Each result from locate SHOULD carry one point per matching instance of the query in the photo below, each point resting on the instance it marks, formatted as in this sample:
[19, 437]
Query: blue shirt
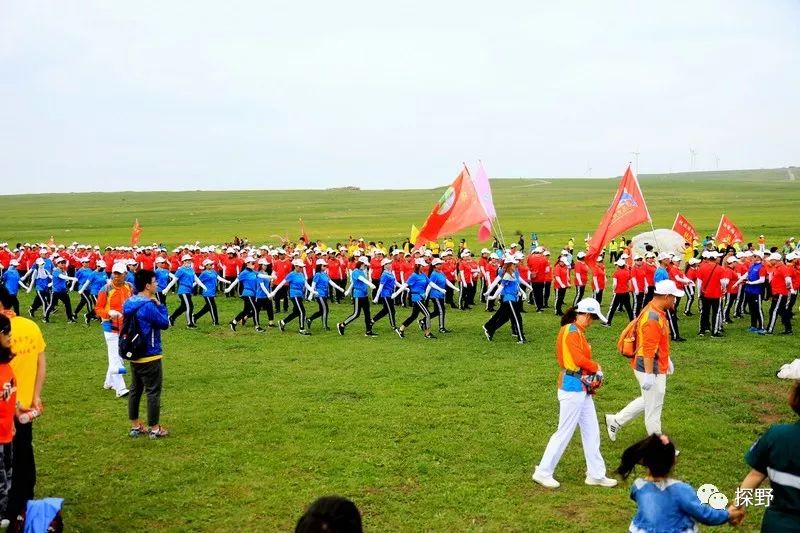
[261, 281]
[59, 285]
[84, 274]
[209, 279]
[296, 282]
[99, 280]
[660, 274]
[152, 318]
[387, 280]
[510, 284]
[248, 281]
[417, 284]
[185, 275]
[162, 278]
[671, 505]
[753, 274]
[360, 289]
[11, 280]
[322, 284]
[439, 279]
[130, 278]
[41, 278]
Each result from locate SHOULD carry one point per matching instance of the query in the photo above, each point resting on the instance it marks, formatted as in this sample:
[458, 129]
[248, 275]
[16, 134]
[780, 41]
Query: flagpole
[497, 231]
[649, 218]
[716, 235]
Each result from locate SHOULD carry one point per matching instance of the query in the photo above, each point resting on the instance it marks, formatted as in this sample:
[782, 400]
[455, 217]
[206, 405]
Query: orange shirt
[574, 352]
[652, 334]
[111, 297]
[8, 403]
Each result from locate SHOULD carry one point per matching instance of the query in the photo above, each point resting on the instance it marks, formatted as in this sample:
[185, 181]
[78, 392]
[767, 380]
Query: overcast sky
[258, 95]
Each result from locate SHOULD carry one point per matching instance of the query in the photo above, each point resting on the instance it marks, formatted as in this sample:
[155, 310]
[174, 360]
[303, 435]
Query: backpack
[132, 343]
[626, 344]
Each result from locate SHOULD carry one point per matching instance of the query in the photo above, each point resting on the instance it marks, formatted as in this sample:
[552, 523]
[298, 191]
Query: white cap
[746, 253]
[623, 256]
[509, 260]
[518, 256]
[363, 260]
[386, 261]
[564, 259]
[775, 256]
[321, 262]
[100, 263]
[694, 261]
[739, 255]
[731, 259]
[207, 262]
[649, 254]
[592, 307]
[791, 256]
[262, 261]
[485, 251]
[40, 261]
[620, 262]
[298, 262]
[13, 262]
[160, 260]
[249, 259]
[664, 255]
[448, 253]
[513, 245]
[436, 261]
[420, 261]
[538, 250]
[667, 286]
[357, 253]
[396, 251]
[758, 253]
[119, 267]
[580, 255]
[428, 253]
[465, 253]
[186, 257]
[546, 252]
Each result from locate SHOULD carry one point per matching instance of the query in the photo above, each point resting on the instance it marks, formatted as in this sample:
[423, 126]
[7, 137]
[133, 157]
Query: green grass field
[423, 435]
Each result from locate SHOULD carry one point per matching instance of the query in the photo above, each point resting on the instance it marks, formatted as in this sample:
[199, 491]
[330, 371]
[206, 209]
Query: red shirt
[623, 277]
[561, 276]
[377, 269]
[778, 281]
[281, 269]
[599, 276]
[146, 260]
[449, 271]
[8, 403]
[581, 269]
[639, 274]
[548, 270]
[730, 273]
[710, 275]
[650, 273]
[538, 266]
[466, 269]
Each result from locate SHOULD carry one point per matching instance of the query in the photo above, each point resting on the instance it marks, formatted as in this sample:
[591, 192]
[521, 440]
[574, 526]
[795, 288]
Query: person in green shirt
[775, 456]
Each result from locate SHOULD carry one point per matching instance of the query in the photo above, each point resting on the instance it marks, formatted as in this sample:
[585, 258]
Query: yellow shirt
[434, 246]
[448, 243]
[26, 343]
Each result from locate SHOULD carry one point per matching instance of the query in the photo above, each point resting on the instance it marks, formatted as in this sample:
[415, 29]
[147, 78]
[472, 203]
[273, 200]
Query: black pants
[464, 291]
[448, 297]
[298, 311]
[321, 312]
[689, 299]
[249, 309]
[262, 304]
[15, 304]
[620, 301]
[23, 469]
[209, 307]
[638, 303]
[282, 296]
[42, 300]
[418, 308]
[439, 310]
[778, 309]
[386, 310]
[730, 303]
[538, 294]
[740, 302]
[672, 319]
[547, 287]
[560, 295]
[598, 295]
[790, 305]
[756, 313]
[186, 306]
[709, 315]
[62, 297]
[612, 257]
[507, 311]
[360, 304]
[579, 291]
[231, 279]
[337, 295]
[86, 300]
[147, 378]
[651, 290]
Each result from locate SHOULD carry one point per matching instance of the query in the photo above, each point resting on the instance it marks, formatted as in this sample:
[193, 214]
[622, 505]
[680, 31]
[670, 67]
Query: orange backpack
[626, 344]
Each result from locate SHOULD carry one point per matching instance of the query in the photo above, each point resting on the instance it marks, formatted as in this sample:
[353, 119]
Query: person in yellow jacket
[613, 251]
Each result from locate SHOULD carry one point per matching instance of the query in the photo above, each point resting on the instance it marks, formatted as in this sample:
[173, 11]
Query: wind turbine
[635, 160]
[692, 158]
[716, 161]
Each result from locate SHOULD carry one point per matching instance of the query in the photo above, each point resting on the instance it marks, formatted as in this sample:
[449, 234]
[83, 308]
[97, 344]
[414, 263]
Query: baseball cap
[363, 260]
[731, 259]
[538, 250]
[13, 262]
[420, 261]
[664, 255]
[119, 267]
[668, 287]
[509, 260]
[207, 262]
[775, 256]
[592, 307]
[297, 262]
[249, 259]
[186, 257]
[581, 255]
[620, 262]
[389, 262]
[321, 262]
[101, 263]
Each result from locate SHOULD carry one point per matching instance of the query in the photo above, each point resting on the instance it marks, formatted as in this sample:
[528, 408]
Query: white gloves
[649, 381]
[671, 368]
[114, 313]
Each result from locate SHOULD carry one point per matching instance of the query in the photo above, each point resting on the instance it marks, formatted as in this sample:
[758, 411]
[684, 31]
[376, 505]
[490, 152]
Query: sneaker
[86, 318]
[123, 393]
[72, 321]
[421, 324]
[232, 325]
[602, 482]
[444, 330]
[679, 339]
[304, 332]
[548, 482]
[612, 427]
[752, 329]
[171, 322]
[762, 332]
[430, 336]
[308, 323]
[521, 342]
[786, 332]
[158, 432]
[137, 430]
[487, 334]
[340, 328]
[260, 329]
[282, 325]
[399, 333]
[191, 326]
[370, 334]
[701, 334]
[717, 335]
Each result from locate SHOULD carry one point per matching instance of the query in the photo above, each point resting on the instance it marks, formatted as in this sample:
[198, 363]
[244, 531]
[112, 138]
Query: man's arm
[41, 374]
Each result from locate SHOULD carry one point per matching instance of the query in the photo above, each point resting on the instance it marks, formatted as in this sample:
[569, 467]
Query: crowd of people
[648, 285]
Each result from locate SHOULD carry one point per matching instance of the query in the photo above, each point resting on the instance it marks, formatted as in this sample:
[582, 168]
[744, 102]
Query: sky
[209, 95]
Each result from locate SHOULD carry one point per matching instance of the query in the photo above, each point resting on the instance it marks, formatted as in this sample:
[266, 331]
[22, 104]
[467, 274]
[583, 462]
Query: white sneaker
[545, 481]
[612, 427]
[602, 482]
[123, 393]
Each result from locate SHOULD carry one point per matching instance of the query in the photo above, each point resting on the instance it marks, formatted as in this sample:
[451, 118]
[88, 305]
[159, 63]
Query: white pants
[113, 378]
[577, 409]
[651, 402]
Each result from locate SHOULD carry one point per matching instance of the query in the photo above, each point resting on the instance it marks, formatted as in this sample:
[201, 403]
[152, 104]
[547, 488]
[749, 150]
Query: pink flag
[484, 190]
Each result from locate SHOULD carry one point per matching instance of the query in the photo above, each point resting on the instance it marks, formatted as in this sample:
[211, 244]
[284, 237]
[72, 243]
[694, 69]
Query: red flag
[626, 211]
[728, 232]
[135, 232]
[458, 208]
[303, 232]
[685, 229]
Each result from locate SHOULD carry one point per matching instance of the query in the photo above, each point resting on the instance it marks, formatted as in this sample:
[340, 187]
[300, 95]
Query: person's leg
[245, 309]
[568, 417]
[786, 316]
[612, 308]
[590, 438]
[412, 317]
[301, 309]
[212, 302]
[382, 312]
[179, 310]
[152, 385]
[774, 310]
[6, 458]
[205, 309]
[137, 387]
[294, 314]
[252, 310]
[356, 312]
[114, 379]
[426, 315]
[324, 308]
[635, 407]
[705, 312]
[438, 303]
[23, 470]
[716, 314]
[318, 313]
[67, 305]
[367, 316]
[392, 313]
[625, 302]
[516, 319]
[654, 404]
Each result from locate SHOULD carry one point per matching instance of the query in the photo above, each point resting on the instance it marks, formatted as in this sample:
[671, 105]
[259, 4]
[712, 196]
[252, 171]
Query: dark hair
[318, 268]
[570, 316]
[6, 354]
[5, 324]
[6, 299]
[651, 453]
[331, 514]
[141, 278]
[417, 268]
[794, 397]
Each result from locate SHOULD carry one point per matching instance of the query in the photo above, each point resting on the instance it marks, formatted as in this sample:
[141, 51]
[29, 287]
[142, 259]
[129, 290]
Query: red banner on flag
[685, 229]
[626, 211]
[728, 232]
[458, 208]
[135, 232]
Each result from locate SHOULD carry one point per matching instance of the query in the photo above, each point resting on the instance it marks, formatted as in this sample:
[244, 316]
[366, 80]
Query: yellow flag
[414, 234]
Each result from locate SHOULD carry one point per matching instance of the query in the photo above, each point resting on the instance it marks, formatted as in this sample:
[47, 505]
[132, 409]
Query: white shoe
[545, 481]
[612, 427]
[602, 482]
[108, 387]
[122, 393]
